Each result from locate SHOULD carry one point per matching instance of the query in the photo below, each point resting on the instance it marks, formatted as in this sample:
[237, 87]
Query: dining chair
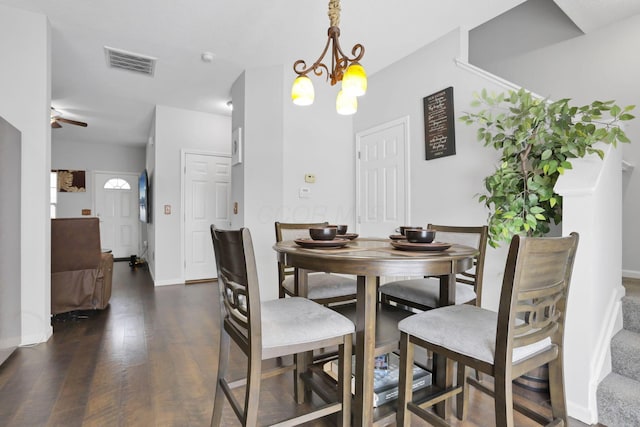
[323, 288]
[424, 293]
[271, 329]
[527, 332]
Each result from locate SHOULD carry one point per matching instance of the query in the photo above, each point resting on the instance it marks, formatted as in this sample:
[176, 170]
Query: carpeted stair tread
[619, 401]
[631, 313]
[625, 354]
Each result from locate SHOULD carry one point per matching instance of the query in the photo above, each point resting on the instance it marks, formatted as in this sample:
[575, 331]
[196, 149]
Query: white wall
[600, 65]
[257, 181]
[148, 231]
[319, 141]
[237, 171]
[10, 172]
[442, 191]
[175, 130]
[91, 158]
[25, 77]
[589, 198]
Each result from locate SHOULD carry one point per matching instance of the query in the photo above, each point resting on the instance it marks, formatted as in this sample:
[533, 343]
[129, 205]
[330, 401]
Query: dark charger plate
[408, 246]
[314, 244]
[349, 236]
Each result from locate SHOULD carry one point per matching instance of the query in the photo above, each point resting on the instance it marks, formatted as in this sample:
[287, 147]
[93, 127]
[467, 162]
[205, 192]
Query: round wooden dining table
[369, 259]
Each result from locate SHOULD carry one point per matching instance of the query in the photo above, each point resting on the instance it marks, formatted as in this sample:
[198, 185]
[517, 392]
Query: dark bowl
[420, 236]
[323, 233]
[404, 228]
[341, 229]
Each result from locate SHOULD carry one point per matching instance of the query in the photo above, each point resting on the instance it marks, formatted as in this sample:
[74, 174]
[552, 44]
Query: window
[53, 186]
[117, 184]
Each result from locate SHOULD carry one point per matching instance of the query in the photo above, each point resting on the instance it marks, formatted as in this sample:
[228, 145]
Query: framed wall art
[71, 181]
[439, 124]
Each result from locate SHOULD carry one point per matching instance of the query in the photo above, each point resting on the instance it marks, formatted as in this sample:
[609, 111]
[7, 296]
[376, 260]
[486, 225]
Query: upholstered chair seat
[324, 286]
[426, 292]
[465, 329]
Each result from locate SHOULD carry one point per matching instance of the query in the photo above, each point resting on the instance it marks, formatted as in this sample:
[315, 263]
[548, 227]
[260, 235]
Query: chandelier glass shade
[354, 81]
[346, 104]
[343, 68]
[302, 92]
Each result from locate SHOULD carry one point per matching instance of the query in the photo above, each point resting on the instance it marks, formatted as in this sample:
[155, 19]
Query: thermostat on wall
[304, 192]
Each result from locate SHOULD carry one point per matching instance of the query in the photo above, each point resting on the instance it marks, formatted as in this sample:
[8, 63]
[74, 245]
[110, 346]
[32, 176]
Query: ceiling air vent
[117, 58]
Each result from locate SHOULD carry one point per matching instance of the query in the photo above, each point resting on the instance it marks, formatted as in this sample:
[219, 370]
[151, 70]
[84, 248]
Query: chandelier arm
[315, 66]
[317, 70]
[358, 52]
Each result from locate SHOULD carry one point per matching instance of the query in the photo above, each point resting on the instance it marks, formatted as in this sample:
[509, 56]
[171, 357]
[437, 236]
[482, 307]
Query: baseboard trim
[168, 282]
[581, 413]
[612, 325]
[196, 281]
[33, 339]
[631, 274]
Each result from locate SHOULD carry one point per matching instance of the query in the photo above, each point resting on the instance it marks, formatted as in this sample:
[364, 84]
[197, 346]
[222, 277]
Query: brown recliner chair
[80, 272]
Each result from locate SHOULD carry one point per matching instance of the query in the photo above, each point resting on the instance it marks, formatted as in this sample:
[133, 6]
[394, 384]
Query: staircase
[619, 392]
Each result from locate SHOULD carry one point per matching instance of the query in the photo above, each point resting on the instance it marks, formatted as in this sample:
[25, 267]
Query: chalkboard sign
[439, 126]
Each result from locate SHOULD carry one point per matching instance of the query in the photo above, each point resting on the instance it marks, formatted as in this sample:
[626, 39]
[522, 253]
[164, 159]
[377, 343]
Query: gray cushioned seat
[425, 291]
[325, 285]
[295, 321]
[465, 329]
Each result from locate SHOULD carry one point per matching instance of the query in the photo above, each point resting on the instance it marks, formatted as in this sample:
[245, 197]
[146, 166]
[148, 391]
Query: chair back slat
[235, 300]
[475, 237]
[238, 282]
[534, 292]
[291, 231]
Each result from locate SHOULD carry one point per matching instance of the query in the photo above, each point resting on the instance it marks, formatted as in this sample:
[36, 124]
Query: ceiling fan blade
[71, 122]
[55, 124]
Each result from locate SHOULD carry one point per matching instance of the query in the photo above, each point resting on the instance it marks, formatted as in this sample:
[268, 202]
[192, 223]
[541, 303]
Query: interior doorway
[382, 178]
[207, 198]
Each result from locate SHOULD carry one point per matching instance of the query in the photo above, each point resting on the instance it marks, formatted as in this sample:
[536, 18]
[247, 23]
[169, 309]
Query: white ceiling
[242, 34]
[590, 15]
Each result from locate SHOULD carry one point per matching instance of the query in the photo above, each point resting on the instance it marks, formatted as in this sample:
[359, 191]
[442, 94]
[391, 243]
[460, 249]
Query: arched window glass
[117, 184]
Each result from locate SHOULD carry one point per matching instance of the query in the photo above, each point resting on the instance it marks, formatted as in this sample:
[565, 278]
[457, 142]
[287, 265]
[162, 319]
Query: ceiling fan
[56, 119]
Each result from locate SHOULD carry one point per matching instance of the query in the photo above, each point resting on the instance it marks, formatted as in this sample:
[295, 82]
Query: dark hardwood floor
[149, 359]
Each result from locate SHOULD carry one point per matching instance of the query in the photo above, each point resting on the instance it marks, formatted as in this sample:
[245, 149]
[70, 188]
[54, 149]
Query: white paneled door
[207, 196]
[381, 179]
[116, 204]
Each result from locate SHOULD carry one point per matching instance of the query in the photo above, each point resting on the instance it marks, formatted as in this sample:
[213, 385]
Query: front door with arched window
[116, 195]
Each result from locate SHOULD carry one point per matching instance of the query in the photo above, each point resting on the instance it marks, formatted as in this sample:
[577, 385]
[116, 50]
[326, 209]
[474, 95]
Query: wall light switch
[235, 208]
[167, 209]
[310, 178]
[86, 211]
[304, 192]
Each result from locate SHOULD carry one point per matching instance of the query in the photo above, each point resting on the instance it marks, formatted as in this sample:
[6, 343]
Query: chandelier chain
[334, 13]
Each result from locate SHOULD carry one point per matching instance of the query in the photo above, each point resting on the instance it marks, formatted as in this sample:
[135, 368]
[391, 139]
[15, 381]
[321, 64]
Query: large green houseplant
[536, 139]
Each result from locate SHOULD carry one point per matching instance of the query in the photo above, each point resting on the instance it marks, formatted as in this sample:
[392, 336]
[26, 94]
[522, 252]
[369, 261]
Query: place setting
[417, 239]
[329, 237]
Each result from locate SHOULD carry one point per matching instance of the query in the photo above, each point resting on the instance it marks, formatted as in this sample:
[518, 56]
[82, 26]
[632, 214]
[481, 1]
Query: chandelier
[343, 69]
